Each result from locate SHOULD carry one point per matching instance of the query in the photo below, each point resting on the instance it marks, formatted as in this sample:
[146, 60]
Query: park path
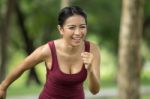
[103, 94]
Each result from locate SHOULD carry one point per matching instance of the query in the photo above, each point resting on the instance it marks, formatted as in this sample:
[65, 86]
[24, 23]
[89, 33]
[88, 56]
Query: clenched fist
[87, 59]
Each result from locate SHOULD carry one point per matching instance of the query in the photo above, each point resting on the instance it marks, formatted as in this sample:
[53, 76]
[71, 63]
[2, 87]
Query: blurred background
[119, 27]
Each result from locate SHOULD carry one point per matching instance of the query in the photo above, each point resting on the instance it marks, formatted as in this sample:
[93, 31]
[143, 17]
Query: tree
[64, 3]
[4, 30]
[129, 49]
[29, 45]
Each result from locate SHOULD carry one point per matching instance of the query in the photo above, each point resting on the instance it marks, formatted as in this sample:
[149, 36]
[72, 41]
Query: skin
[69, 48]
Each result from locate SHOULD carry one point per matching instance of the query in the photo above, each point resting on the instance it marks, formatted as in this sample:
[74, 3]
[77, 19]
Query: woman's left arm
[91, 61]
[94, 72]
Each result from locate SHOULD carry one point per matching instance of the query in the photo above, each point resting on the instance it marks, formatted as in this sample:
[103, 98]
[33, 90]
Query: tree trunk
[29, 45]
[4, 30]
[64, 3]
[129, 49]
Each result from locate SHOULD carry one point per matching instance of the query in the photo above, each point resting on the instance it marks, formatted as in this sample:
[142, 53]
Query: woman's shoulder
[93, 46]
[45, 49]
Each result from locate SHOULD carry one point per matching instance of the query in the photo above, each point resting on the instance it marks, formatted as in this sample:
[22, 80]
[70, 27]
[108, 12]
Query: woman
[70, 60]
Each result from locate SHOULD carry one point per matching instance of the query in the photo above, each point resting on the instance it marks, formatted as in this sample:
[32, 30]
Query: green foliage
[103, 20]
[40, 19]
[145, 79]
[146, 26]
[103, 29]
[24, 90]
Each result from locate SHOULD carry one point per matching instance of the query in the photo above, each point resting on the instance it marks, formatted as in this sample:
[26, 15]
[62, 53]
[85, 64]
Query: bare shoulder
[94, 48]
[43, 51]
[40, 54]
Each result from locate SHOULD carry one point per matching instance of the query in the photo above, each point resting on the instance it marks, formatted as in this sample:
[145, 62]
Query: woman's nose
[77, 31]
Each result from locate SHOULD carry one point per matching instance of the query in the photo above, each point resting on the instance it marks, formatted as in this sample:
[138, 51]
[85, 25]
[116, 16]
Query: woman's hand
[2, 93]
[87, 59]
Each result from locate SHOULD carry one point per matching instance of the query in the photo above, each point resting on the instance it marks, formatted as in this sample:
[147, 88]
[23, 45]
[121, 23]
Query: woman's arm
[92, 64]
[94, 72]
[34, 58]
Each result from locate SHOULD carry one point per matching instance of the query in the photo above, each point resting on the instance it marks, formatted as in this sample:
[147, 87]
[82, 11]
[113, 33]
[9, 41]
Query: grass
[24, 90]
[145, 97]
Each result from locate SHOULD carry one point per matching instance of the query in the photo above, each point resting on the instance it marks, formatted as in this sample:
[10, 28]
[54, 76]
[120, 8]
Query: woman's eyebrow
[75, 25]
[83, 24]
[71, 25]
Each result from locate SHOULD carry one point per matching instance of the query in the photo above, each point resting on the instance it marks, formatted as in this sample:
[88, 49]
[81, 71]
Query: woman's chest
[69, 63]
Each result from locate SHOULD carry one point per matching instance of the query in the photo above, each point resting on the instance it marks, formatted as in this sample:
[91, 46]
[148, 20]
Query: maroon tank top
[60, 85]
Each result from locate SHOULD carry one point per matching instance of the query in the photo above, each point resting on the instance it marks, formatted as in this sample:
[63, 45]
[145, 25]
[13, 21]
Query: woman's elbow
[95, 91]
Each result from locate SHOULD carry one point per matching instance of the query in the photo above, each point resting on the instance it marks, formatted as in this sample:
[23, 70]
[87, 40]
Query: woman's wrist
[2, 87]
[88, 67]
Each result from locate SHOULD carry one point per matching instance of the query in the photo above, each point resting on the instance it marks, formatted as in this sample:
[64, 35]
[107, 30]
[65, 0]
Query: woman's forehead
[75, 20]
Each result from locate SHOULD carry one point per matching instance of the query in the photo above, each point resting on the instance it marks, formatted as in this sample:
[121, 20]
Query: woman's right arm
[39, 55]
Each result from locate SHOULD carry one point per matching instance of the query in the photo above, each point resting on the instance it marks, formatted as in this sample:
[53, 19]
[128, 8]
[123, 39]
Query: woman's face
[74, 30]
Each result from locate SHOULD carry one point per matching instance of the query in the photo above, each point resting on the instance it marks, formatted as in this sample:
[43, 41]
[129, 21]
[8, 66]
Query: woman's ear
[60, 29]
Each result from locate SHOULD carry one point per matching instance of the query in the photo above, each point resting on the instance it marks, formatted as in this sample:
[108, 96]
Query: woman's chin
[76, 42]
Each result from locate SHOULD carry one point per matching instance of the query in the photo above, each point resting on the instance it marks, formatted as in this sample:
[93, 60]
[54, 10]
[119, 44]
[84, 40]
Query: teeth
[76, 38]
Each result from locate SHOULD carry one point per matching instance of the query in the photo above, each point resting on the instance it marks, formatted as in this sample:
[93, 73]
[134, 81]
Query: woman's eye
[83, 27]
[71, 28]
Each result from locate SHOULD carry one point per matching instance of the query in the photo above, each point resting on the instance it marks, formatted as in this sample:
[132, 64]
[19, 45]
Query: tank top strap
[53, 53]
[87, 46]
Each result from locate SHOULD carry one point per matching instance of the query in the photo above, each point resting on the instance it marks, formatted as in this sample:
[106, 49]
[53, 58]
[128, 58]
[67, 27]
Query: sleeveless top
[60, 85]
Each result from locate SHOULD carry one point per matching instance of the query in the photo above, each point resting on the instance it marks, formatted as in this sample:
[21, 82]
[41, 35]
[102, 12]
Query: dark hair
[70, 11]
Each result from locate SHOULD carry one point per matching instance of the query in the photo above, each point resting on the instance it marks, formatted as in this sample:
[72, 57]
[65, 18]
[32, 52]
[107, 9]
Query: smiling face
[74, 30]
